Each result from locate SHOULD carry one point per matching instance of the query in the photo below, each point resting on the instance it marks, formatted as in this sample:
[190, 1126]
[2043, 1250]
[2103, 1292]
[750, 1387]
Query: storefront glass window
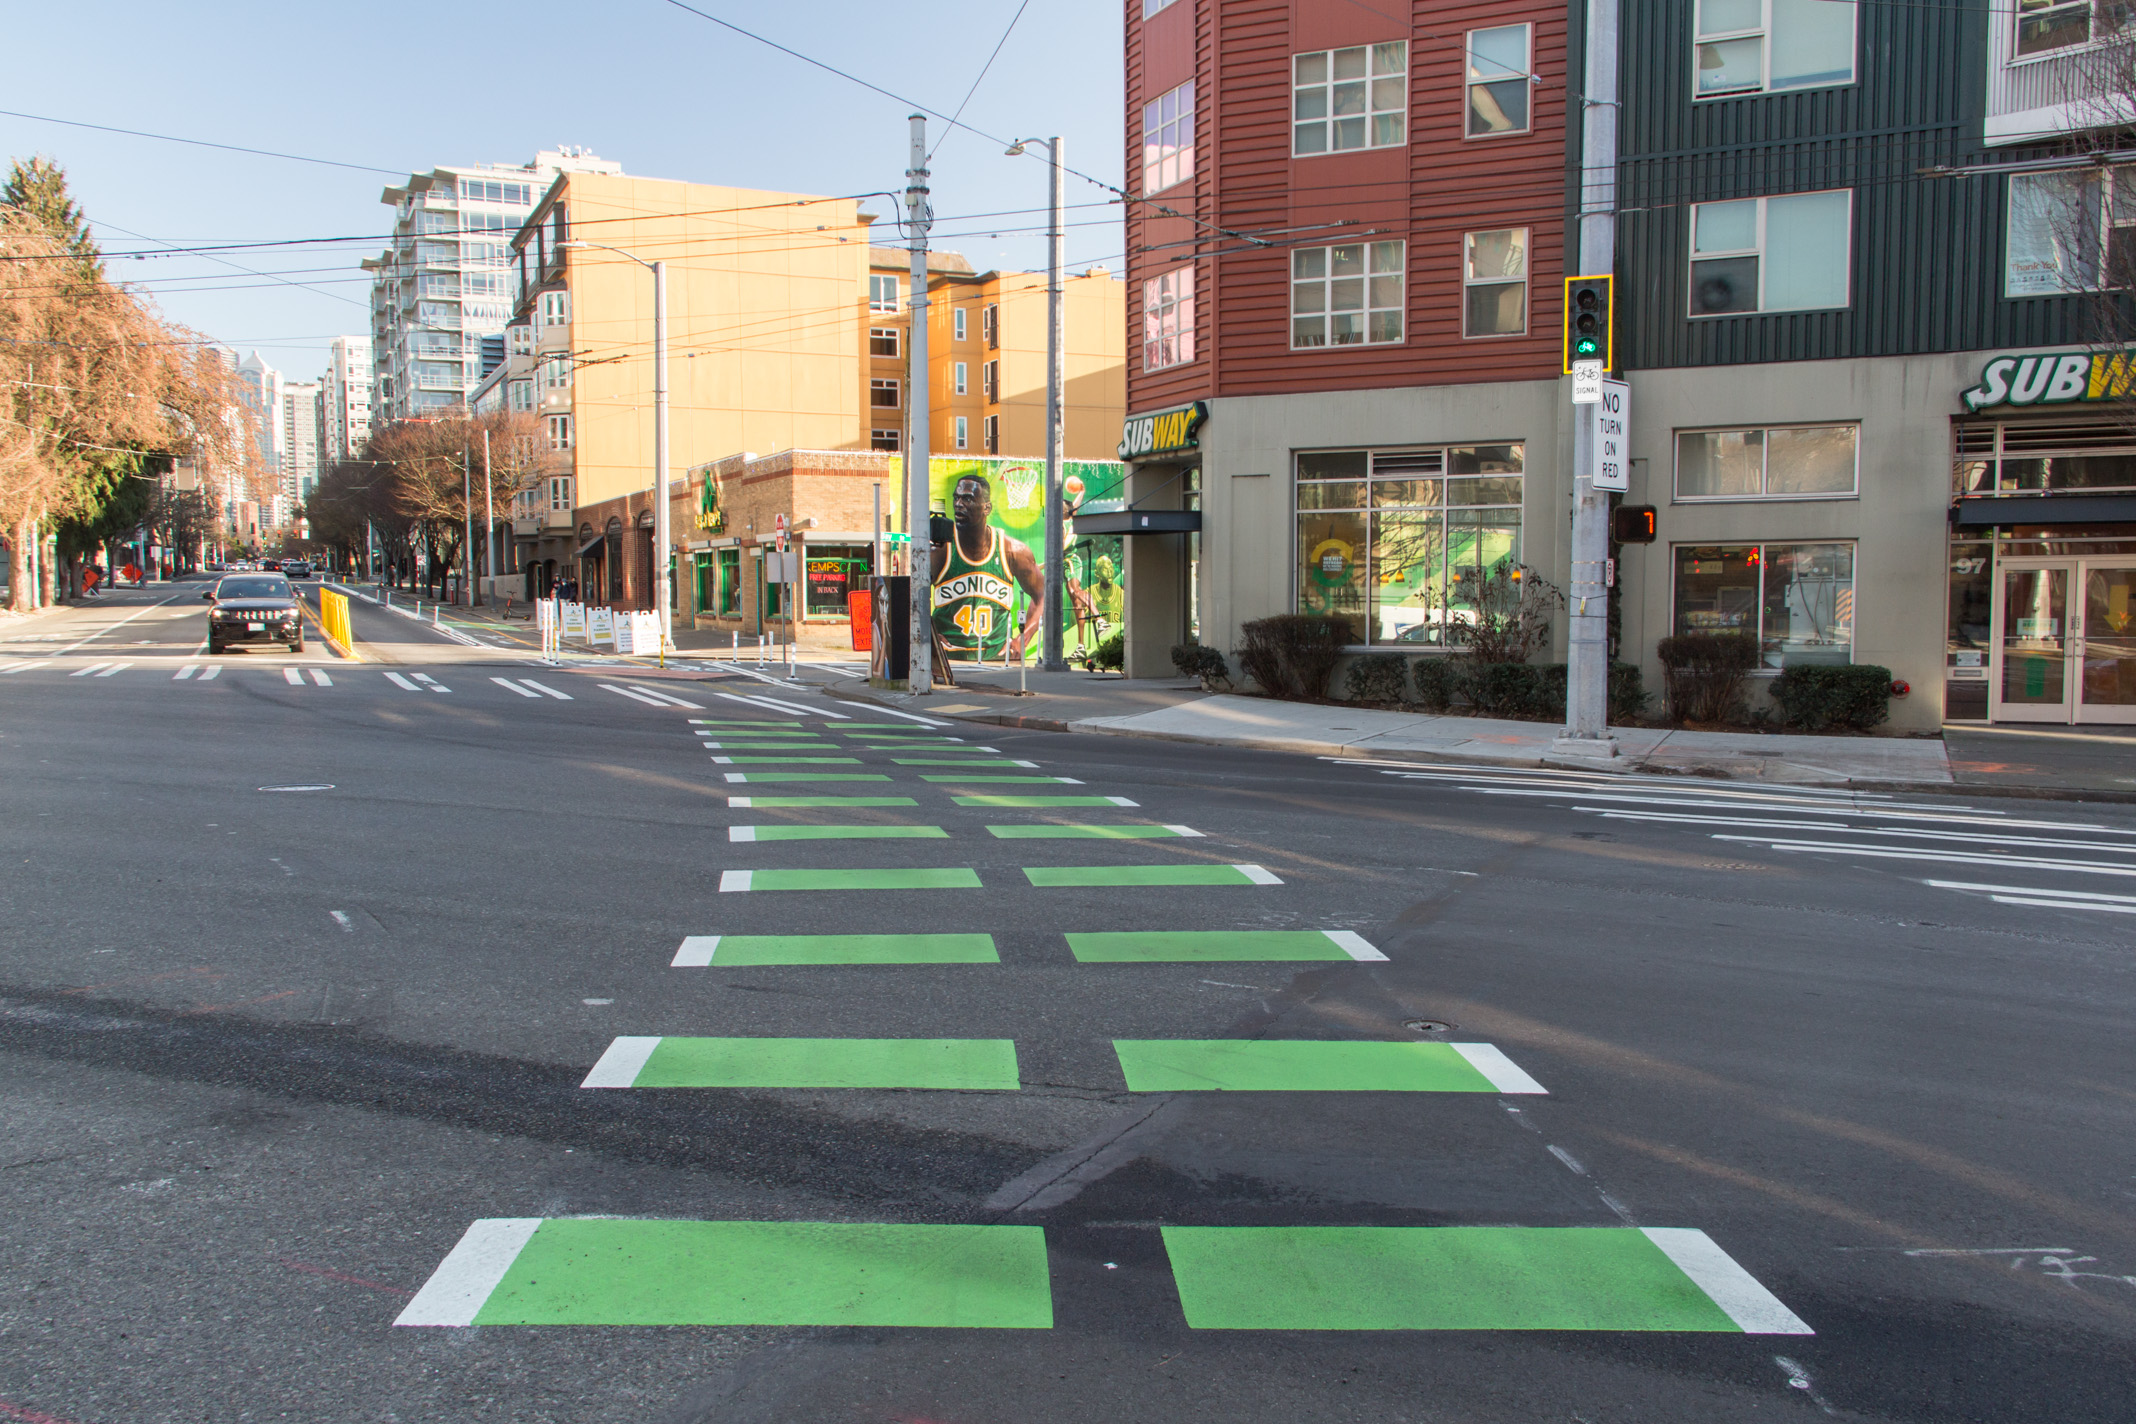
[834, 570]
[730, 582]
[2033, 457]
[1796, 599]
[1967, 650]
[1398, 541]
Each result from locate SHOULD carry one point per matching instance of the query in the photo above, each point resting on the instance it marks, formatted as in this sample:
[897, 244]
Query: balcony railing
[2058, 91]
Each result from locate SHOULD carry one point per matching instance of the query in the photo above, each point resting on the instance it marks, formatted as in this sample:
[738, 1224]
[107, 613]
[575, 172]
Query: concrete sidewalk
[2086, 764]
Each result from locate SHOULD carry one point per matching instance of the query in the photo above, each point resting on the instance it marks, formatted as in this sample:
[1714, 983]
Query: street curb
[1426, 758]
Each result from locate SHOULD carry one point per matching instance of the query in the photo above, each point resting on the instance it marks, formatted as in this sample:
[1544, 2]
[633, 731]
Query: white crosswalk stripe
[115, 667]
[1870, 829]
[511, 686]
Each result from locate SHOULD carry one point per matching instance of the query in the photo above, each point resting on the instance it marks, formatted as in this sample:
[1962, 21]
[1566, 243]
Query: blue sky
[405, 86]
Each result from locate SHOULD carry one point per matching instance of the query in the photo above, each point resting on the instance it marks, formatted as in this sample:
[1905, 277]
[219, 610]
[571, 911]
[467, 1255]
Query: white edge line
[1736, 1291]
[2064, 904]
[1356, 945]
[741, 833]
[737, 776]
[738, 801]
[618, 1067]
[1186, 831]
[2033, 890]
[910, 717]
[696, 952]
[1490, 1060]
[794, 707]
[723, 761]
[1031, 764]
[1258, 875]
[461, 1285]
[732, 880]
[1122, 801]
[1067, 781]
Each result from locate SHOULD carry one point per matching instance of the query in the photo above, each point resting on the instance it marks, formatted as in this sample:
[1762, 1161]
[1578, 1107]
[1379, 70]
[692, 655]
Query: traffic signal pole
[1586, 732]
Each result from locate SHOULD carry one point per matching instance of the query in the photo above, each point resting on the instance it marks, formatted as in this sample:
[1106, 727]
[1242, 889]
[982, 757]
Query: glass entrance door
[2106, 643]
[2032, 681]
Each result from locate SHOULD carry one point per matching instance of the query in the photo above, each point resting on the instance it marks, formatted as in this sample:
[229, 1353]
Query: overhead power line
[203, 143]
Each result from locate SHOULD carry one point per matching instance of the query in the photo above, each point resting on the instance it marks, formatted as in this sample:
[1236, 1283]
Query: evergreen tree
[38, 189]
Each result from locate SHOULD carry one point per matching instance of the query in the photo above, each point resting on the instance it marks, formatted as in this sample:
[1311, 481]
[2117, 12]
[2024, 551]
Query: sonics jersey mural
[990, 576]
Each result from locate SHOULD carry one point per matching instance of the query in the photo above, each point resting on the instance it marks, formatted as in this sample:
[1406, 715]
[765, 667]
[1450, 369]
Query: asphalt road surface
[449, 1037]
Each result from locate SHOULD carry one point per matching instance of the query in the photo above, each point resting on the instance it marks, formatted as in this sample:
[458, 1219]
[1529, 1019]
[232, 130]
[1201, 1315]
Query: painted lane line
[401, 682]
[2032, 890]
[547, 691]
[787, 723]
[1257, 875]
[800, 801]
[511, 686]
[785, 761]
[633, 694]
[959, 761]
[991, 778]
[2064, 904]
[1071, 831]
[291, 675]
[735, 881]
[120, 624]
[2073, 867]
[636, 1272]
[1187, 831]
[464, 1280]
[341, 918]
[746, 951]
[185, 672]
[1754, 1309]
[753, 835]
[18, 667]
[1220, 946]
[1087, 876]
[85, 671]
[873, 878]
[804, 776]
[1490, 1060]
[774, 705]
[209, 674]
[431, 684]
[667, 697]
[320, 679]
[1824, 829]
[115, 667]
[742, 834]
[620, 1065]
[1033, 802]
[1264, 1065]
[908, 716]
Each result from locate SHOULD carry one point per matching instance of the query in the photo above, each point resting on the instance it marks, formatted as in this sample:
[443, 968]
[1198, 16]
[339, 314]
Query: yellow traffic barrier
[334, 618]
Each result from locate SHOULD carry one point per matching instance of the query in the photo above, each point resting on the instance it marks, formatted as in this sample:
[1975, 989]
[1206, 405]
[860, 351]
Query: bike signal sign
[1611, 467]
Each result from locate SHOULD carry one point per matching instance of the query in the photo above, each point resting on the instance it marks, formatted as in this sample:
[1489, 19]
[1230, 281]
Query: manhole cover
[1427, 1026]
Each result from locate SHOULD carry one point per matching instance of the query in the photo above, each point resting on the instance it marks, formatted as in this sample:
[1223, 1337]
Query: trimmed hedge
[1110, 654]
[1293, 655]
[1438, 682]
[1378, 677]
[1520, 689]
[1199, 660]
[1705, 674]
[1811, 699]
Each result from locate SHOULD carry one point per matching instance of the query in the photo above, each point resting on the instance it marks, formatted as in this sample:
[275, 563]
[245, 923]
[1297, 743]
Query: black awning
[591, 544]
[1140, 521]
[1985, 511]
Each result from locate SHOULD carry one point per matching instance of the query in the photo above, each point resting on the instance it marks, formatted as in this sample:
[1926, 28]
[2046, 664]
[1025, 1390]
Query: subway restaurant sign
[2058, 378]
[1164, 432]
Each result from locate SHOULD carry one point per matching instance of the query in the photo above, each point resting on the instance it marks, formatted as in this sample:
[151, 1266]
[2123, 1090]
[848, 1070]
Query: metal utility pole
[1587, 649]
[663, 562]
[467, 536]
[489, 511]
[919, 389]
[1056, 355]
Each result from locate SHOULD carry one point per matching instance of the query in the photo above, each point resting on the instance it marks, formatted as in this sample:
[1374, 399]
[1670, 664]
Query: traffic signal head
[1632, 524]
[1589, 325]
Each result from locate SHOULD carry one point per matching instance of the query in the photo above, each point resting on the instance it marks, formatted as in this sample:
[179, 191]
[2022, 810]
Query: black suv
[254, 608]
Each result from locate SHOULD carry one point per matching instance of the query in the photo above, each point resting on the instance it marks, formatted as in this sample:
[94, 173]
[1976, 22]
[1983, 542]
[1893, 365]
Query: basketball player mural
[977, 574]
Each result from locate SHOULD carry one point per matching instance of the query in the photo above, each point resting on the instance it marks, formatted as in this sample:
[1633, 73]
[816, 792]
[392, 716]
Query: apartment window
[1347, 296]
[882, 394]
[522, 395]
[990, 434]
[1797, 600]
[882, 341]
[990, 326]
[958, 381]
[2061, 225]
[990, 381]
[1350, 98]
[1765, 46]
[884, 440]
[560, 489]
[1777, 462]
[522, 340]
[2044, 26]
[1168, 139]
[1498, 81]
[1494, 274]
[882, 294]
[1771, 254]
[556, 373]
[956, 323]
[1402, 542]
[559, 432]
[1168, 320]
[555, 308]
[964, 432]
[1151, 7]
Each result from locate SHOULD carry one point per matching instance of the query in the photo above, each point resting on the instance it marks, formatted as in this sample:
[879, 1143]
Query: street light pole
[919, 464]
[489, 512]
[1056, 574]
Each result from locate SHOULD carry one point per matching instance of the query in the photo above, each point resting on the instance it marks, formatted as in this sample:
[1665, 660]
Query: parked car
[254, 608]
[296, 568]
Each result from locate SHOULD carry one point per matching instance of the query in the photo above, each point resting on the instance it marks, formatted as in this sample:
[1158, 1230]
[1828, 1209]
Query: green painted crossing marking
[836, 833]
[1089, 833]
[947, 878]
[1149, 875]
[881, 727]
[959, 761]
[991, 777]
[1465, 1278]
[625, 1272]
[795, 801]
[787, 760]
[948, 1064]
[1035, 802]
[804, 776]
[725, 722]
[1310, 1066]
[746, 951]
[1216, 946]
[776, 744]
